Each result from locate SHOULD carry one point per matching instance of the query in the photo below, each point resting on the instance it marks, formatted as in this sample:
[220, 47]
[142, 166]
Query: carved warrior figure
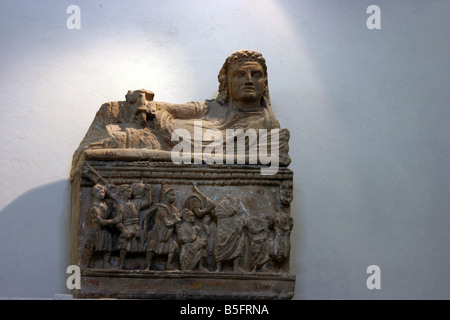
[161, 239]
[193, 233]
[99, 238]
[127, 221]
[193, 247]
[201, 206]
[229, 242]
[243, 102]
[259, 232]
[141, 195]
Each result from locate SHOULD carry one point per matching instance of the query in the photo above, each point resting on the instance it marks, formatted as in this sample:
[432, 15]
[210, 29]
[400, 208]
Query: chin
[251, 100]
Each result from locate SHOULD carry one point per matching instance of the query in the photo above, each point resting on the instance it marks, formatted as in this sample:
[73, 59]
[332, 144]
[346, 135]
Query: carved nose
[248, 78]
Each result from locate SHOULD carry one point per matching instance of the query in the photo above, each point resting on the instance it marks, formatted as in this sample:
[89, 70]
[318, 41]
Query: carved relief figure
[201, 206]
[124, 124]
[141, 197]
[193, 247]
[161, 239]
[229, 242]
[127, 221]
[282, 225]
[99, 238]
[258, 230]
[286, 193]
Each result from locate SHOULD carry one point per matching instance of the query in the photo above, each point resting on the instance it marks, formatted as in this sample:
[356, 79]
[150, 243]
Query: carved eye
[257, 75]
[239, 74]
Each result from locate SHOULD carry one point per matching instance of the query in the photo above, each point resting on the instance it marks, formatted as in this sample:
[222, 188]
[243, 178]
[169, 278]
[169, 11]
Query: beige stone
[147, 226]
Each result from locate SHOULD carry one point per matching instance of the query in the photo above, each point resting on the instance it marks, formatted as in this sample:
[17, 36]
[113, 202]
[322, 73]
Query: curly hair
[241, 56]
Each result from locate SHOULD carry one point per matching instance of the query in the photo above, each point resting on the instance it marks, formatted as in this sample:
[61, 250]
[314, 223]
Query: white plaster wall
[368, 112]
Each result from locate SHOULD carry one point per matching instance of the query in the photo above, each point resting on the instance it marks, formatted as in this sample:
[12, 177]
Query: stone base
[133, 284]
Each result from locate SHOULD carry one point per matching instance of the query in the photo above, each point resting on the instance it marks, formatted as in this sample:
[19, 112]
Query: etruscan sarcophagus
[185, 200]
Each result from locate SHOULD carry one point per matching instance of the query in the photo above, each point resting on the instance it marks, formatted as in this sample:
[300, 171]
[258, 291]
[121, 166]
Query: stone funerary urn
[185, 201]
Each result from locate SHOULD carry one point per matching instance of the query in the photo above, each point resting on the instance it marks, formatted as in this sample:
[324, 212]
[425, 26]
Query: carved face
[286, 193]
[188, 216]
[170, 196]
[139, 97]
[124, 192]
[194, 204]
[246, 82]
[98, 192]
[138, 189]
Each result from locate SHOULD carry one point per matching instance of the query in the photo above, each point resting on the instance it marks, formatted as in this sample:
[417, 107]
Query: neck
[245, 107]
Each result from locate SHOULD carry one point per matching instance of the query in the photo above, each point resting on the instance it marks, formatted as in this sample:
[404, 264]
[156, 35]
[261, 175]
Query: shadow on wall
[35, 242]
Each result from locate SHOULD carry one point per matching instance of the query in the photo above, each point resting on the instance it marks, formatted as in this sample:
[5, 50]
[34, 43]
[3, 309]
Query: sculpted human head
[187, 216]
[243, 80]
[167, 193]
[170, 197]
[138, 189]
[98, 191]
[194, 204]
[286, 192]
[140, 97]
[124, 191]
